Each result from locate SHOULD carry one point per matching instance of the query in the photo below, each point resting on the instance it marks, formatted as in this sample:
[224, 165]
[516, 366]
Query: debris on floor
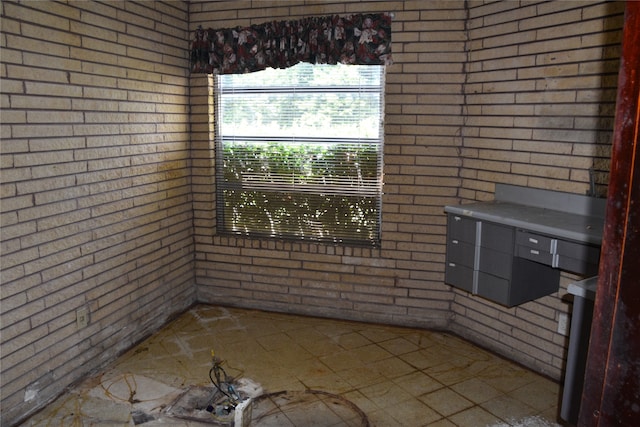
[364, 373]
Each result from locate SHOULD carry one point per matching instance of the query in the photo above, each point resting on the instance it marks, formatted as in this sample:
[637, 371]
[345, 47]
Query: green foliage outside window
[299, 153]
[314, 191]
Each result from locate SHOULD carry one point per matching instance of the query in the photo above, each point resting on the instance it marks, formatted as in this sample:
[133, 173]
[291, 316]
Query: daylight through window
[299, 152]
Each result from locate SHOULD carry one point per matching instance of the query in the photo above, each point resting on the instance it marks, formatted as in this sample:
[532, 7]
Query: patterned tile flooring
[304, 371]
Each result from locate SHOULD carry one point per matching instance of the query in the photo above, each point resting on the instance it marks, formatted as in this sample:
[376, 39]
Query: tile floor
[306, 371]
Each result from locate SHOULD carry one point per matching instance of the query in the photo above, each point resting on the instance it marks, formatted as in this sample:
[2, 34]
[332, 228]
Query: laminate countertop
[554, 223]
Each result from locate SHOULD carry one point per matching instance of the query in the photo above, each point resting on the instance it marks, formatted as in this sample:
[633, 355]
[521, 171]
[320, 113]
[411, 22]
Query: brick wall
[539, 101]
[540, 95]
[96, 202]
[515, 92]
[107, 183]
[400, 282]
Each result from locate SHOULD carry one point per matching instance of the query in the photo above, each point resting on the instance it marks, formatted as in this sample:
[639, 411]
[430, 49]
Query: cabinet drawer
[496, 263]
[461, 228]
[494, 288]
[535, 241]
[459, 276]
[578, 258]
[537, 255]
[460, 252]
[497, 237]
[578, 266]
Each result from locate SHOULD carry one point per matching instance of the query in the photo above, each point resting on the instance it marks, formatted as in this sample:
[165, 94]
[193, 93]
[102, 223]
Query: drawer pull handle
[452, 264]
[534, 252]
[454, 241]
[532, 240]
[457, 218]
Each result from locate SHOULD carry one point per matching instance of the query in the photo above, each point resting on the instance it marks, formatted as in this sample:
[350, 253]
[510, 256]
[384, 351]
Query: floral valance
[356, 39]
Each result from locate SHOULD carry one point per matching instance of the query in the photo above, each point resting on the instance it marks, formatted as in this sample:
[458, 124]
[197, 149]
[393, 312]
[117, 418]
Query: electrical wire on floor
[223, 385]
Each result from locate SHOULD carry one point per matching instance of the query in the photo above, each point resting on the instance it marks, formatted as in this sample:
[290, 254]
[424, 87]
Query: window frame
[224, 225]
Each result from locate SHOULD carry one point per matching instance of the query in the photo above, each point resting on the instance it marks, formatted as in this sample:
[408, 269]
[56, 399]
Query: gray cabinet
[481, 259]
[510, 265]
[461, 252]
[576, 257]
[512, 249]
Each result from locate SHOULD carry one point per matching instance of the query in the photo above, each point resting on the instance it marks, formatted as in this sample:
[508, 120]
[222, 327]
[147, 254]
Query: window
[299, 152]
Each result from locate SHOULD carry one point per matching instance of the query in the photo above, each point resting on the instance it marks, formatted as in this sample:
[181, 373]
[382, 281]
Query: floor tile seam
[413, 365]
[441, 417]
[361, 396]
[275, 410]
[348, 402]
[323, 388]
[471, 403]
[482, 405]
[419, 372]
[399, 353]
[537, 379]
[390, 354]
[317, 398]
[459, 385]
[359, 384]
[414, 398]
[290, 360]
[453, 382]
[318, 348]
[400, 422]
[377, 360]
[374, 405]
[354, 347]
[341, 367]
[475, 406]
[385, 401]
[411, 330]
[507, 395]
[265, 348]
[440, 387]
[538, 411]
[390, 374]
[501, 387]
[327, 389]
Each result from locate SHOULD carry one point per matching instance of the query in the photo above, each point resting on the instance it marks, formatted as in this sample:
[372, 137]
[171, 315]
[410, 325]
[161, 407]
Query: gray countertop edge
[475, 211]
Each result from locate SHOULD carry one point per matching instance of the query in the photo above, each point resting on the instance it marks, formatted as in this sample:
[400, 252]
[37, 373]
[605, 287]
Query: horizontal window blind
[299, 152]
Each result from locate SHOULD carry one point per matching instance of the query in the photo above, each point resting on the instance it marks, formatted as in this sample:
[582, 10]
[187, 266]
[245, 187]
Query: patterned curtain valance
[356, 39]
